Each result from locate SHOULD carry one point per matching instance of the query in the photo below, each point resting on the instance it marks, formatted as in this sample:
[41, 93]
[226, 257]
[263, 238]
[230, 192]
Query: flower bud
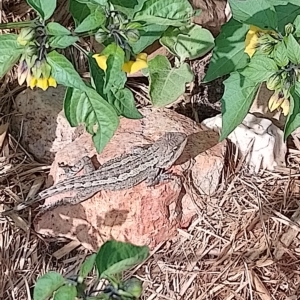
[26, 35]
[267, 48]
[274, 82]
[101, 36]
[289, 28]
[133, 286]
[133, 35]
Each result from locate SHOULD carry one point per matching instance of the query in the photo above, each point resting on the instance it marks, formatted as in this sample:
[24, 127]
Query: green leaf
[228, 54]
[54, 28]
[165, 12]
[255, 12]
[88, 107]
[287, 13]
[236, 101]
[123, 101]
[62, 42]
[97, 76]
[149, 34]
[167, 83]
[64, 72]
[293, 118]
[260, 68]
[127, 7]
[66, 292]
[10, 52]
[92, 21]
[293, 49]
[279, 54]
[115, 257]
[47, 285]
[297, 26]
[79, 11]
[189, 42]
[87, 266]
[45, 8]
[114, 76]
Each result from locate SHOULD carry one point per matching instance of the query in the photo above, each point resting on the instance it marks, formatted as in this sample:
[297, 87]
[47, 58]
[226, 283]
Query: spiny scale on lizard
[119, 173]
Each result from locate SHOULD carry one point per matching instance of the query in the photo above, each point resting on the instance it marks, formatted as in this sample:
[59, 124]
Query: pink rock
[141, 215]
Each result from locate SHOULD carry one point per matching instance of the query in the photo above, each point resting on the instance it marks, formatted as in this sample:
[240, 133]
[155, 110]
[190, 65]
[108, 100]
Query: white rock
[268, 149]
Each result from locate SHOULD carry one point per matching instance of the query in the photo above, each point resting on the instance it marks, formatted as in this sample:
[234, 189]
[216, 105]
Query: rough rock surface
[37, 118]
[141, 215]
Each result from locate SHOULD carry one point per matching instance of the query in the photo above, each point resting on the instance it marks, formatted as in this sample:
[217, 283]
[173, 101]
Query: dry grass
[243, 244]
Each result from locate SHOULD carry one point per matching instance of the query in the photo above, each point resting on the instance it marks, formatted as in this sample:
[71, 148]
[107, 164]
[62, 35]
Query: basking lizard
[123, 172]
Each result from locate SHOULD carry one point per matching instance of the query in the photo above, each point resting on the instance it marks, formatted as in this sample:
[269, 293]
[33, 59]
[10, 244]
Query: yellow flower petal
[142, 56]
[52, 82]
[138, 65]
[274, 101]
[285, 107]
[42, 83]
[127, 66]
[251, 40]
[101, 61]
[32, 82]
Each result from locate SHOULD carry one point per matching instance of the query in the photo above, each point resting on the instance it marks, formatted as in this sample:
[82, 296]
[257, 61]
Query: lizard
[145, 163]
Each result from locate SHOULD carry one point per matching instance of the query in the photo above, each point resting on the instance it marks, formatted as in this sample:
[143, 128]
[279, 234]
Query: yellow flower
[277, 101]
[42, 82]
[140, 63]
[129, 67]
[251, 42]
[101, 61]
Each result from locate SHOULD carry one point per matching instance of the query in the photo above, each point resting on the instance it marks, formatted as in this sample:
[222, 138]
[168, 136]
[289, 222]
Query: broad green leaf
[66, 292]
[94, 20]
[115, 257]
[228, 54]
[88, 107]
[297, 26]
[126, 7]
[45, 8]
[10, 52]
[236, 101]
[293, 49]
[123, 101]
[167, 83]
[293, 118]
[114, 76]
[149, 34]
[97, 2]
[165, 12]
[64, 72]
[97, 76]
[54, 28]
[47, 285]
[287, 13]
[260, 68]
[279, 54]
[62, 41]
[79, 11]
[189, 42]
[255, 12]
[87, 266]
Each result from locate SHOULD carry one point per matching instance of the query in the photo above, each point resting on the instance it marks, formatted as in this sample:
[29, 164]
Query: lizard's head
[171, 146]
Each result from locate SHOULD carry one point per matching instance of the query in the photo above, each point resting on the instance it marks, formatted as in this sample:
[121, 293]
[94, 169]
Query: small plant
[112, 259]
[124, 30]
[259, 44]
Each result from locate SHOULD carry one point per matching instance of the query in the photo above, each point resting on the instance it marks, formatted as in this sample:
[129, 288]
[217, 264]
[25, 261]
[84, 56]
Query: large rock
[44, 129]
[141, 215]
